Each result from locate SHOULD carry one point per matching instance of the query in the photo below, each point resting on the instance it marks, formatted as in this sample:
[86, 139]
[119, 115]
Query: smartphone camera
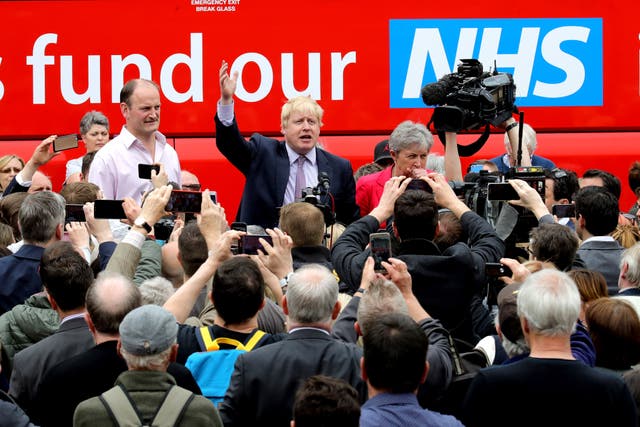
[65, 142]
[184, 201]
[74, 213]
[380, 245]
[250, 243]
[564, 211]
[495, 270]
[144, 171]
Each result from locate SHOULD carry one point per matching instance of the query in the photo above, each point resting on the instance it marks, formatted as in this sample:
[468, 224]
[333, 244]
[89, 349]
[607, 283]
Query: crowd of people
[108, 322]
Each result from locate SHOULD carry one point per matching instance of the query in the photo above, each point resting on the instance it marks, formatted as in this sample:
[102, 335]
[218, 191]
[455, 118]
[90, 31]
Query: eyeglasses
[194, 187]
[8, 170]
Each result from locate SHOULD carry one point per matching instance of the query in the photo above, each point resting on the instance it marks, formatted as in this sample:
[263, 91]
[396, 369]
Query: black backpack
[466, 361]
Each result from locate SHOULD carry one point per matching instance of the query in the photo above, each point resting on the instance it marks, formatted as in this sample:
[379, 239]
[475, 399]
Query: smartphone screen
[65, 142]
[74, 213]
[495, 269]
[564, 211]
[501, 191]
[108, 209]
[380, 244]
[249, 244]
[184, 201]
[144, 171]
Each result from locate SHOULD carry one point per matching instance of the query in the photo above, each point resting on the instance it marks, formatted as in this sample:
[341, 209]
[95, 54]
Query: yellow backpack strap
[229, 341]
[209, 343]
[254, 340]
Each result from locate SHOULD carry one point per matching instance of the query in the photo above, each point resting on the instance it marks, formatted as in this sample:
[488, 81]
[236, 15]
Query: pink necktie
[300, 181]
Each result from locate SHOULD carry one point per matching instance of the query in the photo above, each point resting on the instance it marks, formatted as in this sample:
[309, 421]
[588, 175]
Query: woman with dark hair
[94, 130]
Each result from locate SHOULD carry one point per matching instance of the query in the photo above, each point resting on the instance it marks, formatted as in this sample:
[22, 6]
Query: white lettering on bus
[427, 42]
[193, 61]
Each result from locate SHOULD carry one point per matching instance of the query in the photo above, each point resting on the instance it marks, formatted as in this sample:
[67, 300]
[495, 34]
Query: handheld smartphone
[65, 142]
[184, 201]
[250, 243]
[144, 171]
[495, 269]
[235, 245]
[501, 191]
[418, 184]
[380, 244]
[564, 211]
[74, 213]
[108, 209]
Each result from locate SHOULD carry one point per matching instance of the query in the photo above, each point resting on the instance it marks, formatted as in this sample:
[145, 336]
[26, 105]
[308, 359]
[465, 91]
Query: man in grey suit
[66, 277]
[597, 217]
[265, 380]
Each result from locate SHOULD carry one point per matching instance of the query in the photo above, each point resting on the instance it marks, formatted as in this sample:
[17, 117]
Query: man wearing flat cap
[146, 394]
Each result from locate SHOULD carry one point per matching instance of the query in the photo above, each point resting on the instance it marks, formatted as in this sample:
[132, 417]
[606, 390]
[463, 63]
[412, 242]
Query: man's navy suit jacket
[20, 278]
[265, 164]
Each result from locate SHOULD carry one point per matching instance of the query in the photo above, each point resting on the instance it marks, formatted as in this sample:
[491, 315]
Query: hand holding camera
[211, 220]
[276, 254]
[154, 204]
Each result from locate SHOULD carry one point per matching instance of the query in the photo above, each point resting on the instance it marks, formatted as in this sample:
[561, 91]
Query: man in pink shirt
[115, 167]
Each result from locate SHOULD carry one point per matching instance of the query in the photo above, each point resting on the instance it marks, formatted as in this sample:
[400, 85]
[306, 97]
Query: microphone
[436, 93]
[323, 180]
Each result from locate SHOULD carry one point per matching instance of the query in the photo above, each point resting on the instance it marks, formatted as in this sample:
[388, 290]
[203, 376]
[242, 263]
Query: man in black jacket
[444, 282]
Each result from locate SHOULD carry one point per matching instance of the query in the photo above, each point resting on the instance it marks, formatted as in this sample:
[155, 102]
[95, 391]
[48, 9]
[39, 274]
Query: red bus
[575, 66]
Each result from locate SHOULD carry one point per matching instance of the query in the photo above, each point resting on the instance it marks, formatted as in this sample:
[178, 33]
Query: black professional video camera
[470, 98]
[474, 190]
[321, 198]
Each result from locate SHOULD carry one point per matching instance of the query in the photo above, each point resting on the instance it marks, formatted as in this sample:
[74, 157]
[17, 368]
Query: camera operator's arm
[211, 220]
[399, 275]
[126, 257]
[529, 198]
[101, 229]
[41, 156]
[182, 301]
[277, 258]
[512, 128]
[452, 167]
[343, 328]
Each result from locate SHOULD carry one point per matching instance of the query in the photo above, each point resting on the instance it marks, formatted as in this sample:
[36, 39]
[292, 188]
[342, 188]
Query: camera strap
[466, 150]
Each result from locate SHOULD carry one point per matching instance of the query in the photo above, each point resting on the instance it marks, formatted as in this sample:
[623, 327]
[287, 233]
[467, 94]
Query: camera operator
[446, 281]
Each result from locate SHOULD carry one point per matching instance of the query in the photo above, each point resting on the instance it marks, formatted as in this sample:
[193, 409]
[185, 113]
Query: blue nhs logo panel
[554, 61]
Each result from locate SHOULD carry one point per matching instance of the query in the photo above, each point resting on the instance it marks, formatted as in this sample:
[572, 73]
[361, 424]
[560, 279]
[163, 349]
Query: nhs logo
[554, 61]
